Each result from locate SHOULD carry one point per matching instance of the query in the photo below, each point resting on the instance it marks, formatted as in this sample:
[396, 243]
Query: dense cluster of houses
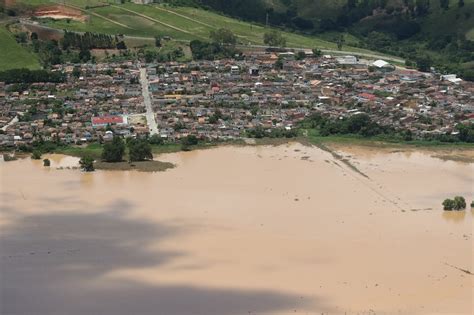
[225, 98]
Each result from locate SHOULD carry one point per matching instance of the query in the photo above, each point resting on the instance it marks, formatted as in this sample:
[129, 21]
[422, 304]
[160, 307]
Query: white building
[347, 60]
[451, 78]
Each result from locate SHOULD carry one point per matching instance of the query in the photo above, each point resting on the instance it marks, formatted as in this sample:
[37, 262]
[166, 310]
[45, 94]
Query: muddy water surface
[247, 230]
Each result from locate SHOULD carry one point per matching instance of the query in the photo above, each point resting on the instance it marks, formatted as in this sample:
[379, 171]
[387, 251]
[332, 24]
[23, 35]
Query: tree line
[363, 125]
[31, 76]
[88, 40]
[222, 45]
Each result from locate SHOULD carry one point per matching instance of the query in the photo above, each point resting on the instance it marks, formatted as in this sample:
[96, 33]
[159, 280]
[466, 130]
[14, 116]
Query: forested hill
[439, 31]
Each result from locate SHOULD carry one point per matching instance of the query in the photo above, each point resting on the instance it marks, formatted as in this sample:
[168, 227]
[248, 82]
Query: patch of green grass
[13, 55]
[93, 150]
[314, 138]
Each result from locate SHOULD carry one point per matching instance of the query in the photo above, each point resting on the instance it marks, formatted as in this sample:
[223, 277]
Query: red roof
[105, 120]
[368, 96]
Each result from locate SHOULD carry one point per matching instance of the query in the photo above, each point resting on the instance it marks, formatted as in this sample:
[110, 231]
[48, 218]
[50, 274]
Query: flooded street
[239, 230]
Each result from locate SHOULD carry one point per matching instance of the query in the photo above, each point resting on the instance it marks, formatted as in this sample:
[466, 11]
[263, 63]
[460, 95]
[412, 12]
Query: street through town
[150, 116]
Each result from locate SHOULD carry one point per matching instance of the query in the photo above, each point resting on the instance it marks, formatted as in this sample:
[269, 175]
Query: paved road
[336, 52]
[150, 115]
[12, 122]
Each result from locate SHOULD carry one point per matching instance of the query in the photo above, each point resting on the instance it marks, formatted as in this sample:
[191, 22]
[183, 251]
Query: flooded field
[240, 230]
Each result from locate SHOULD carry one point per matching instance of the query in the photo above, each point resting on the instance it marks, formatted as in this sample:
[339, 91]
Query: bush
[36, 155]
[87, 164]
[458, 203]
[114, 151]
[46, 162]
[190, 140]
[156, 140]
[139, 150]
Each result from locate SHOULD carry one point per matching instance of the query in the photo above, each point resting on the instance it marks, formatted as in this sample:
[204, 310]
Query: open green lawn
[13, 55]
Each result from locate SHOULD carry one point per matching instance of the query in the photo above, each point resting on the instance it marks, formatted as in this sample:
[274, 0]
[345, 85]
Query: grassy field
[13, 55]
[181, 23]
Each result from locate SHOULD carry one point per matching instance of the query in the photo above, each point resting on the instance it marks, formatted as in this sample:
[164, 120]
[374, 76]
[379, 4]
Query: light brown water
[248, 230]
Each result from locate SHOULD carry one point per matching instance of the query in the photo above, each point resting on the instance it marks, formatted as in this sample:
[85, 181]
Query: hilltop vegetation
[440, 31]
[427, 33]
[188, 22]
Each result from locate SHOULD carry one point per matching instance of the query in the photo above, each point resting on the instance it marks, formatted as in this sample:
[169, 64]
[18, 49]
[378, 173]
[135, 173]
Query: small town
[231, 157]
[222, 99]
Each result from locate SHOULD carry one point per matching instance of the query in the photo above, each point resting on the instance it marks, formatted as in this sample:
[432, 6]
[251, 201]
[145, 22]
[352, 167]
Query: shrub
[114, 151]
[458, 203]
[139, 150]
[448, 204]
[46, 162]
[36, 155]
[87, 164]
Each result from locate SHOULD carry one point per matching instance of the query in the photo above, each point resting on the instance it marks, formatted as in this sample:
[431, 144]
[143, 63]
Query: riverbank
[461, 152]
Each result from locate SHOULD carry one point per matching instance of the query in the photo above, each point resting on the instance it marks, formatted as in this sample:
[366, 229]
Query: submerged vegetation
[458, 203]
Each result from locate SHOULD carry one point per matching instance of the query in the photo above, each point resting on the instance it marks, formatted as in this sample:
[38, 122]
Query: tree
[444, 4]
[340, 42]
[300, 55]
[114, 151]
[85, 54]
[448, 204]
[423, 63]
[317, 52]
[461, 3]
[36, 155]
[155, 140]
[121, 45]
[34, 36]
[139, 150]
[458, 203]
[422, 7]
[189, 141]
[215, 117]
[223, 36]
[274, 39]
[278, 64]
[157, 41]
[87, 164]
[76, 72]
[150, 56]
[46, 162]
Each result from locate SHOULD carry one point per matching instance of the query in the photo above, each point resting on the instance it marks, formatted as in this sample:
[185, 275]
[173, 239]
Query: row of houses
[223, 99]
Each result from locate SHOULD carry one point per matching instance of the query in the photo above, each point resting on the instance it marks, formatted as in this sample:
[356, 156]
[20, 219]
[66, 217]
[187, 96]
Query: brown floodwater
[239, 230]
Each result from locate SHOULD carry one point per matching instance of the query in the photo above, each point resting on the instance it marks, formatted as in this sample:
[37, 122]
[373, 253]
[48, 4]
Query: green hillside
[14, 55]
[181, 23]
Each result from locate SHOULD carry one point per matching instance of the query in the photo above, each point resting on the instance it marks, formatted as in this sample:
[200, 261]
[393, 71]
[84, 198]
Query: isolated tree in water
[87, 164]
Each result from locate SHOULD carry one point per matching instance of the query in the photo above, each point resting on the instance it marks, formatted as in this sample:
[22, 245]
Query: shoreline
[444, 151]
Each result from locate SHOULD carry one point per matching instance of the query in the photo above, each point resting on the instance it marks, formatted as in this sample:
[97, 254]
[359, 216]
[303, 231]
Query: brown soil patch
[59, 12]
